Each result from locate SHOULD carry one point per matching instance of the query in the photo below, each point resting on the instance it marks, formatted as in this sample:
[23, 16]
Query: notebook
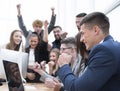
[13, 76]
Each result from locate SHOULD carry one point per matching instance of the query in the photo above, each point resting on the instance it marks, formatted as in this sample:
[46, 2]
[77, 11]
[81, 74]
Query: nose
[19, 38]
[57, 33]
[32, 43]
[51, 58]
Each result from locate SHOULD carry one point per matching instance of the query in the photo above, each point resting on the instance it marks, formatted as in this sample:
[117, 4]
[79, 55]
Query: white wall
[66, 11]
[31, 10]
[113, 15]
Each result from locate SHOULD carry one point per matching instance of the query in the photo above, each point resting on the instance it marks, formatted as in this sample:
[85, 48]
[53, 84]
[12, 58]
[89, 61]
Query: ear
[96, 29]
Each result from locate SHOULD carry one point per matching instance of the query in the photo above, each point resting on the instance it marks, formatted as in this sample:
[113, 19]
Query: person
[51, 67]
[102, 72]
[52, 64]
[79, 17]
[58, 35]
[37, 53]
[67, 46]
[15, 41]
[78, 65]
[37, 25]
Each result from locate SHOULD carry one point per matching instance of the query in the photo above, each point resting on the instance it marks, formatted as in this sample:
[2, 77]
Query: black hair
[81, 15]
[57, 27]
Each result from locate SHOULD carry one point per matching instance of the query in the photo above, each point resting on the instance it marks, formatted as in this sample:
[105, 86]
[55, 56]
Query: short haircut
[37, 23]
[81, 15]
[57, 27]
[69, 41]
[96, 18]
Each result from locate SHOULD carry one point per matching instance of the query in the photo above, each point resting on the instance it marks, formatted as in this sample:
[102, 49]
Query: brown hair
[11, 45]
[81, 48]
[96, 18]
[37, 23]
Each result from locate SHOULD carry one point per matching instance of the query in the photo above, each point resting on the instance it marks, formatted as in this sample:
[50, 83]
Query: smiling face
[37, 26]
[91, 36]
[33, 41]
[37, 29]
[94, 28]
[56, 32]
[17, 37]
[53, 56]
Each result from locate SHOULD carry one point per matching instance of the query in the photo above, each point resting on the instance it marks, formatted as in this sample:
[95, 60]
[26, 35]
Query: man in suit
[102, 72]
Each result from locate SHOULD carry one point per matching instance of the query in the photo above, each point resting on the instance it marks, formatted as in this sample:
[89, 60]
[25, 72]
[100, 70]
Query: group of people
[97, 68]
[89, 61]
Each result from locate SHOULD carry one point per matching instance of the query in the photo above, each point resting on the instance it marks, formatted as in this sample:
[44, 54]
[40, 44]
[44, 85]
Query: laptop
[15, 56]
[13, 76]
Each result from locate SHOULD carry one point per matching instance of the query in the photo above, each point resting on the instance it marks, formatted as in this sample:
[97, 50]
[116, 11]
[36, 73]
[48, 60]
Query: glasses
[62, 49]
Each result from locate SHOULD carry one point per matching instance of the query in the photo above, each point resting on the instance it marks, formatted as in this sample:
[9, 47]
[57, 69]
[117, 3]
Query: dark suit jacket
[102, 72]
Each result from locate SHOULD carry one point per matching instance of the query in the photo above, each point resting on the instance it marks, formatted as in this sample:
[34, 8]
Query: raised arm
[45, 32]
[52, 9]
[20, 21]
[18, 9]
[52, 21]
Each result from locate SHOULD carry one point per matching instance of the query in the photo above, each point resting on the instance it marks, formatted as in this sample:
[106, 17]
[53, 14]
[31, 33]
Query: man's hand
[53, 83]
[64, 59]
[52, 9]
[63, 34]
[45, 24]
[37, 67]
[43, 63]
[18, 9]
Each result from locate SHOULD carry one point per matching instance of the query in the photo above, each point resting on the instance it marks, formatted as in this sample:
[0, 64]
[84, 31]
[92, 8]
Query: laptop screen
[13, 76]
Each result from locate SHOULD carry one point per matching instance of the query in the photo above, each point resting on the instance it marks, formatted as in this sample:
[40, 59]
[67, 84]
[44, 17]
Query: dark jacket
[56, 44]
[41, 54]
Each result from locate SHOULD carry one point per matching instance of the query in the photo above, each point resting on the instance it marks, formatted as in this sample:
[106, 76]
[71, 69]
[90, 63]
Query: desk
[29, 87]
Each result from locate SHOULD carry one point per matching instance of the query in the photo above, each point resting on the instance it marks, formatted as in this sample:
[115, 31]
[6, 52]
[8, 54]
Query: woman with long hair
[15, 41]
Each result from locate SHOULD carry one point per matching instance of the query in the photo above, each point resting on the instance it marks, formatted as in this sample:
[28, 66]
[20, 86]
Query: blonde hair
[56, 51]
[37, 23]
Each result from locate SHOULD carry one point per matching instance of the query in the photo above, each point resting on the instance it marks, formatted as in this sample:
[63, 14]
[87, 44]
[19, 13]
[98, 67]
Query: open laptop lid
[13, 76]
[14, 56]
